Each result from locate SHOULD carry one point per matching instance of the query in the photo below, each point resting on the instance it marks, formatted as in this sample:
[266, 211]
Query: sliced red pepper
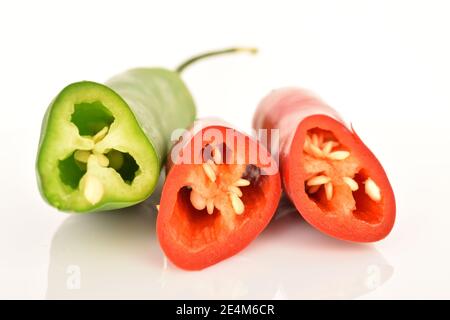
[333, 179]
[218, 201]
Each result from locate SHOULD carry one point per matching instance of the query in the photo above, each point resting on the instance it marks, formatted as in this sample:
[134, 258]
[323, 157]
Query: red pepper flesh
[213, 208]
[333, 179]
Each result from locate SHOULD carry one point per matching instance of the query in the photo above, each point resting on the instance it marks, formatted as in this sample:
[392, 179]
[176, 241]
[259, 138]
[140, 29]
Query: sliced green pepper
[102, 146]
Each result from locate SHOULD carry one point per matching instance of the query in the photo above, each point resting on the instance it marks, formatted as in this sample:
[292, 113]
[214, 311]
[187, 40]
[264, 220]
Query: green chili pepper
[102, 147]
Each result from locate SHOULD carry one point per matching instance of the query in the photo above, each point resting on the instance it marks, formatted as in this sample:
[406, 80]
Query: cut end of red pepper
[207, 211]
[336, 181]
[344, 188]
[211, 210]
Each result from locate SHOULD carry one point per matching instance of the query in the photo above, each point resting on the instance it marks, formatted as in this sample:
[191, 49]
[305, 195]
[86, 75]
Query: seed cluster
[317, 146]
[83, 155]
[210, 169]
[91, 186]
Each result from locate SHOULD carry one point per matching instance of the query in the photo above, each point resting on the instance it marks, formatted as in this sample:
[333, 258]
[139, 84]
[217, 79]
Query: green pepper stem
[202, 56]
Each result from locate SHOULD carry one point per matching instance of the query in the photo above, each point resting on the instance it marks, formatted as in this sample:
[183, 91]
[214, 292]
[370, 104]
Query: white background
[385, 65]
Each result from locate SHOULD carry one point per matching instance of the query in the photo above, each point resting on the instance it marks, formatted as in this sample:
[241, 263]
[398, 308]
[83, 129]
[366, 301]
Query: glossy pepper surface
[217, 200]
[333, 179]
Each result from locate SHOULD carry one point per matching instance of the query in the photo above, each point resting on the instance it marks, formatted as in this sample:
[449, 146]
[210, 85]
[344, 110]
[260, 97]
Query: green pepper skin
[145, 105]
[159, 99]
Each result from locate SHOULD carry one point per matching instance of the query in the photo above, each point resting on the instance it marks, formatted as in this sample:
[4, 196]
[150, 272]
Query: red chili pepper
[333, 179]
[216, 198]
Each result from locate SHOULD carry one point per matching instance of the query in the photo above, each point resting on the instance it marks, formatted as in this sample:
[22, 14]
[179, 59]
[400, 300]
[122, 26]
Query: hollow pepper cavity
[218, 196]
[333, 179]
[102, 146]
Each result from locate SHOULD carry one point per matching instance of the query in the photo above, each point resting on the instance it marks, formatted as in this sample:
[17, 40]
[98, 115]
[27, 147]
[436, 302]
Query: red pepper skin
[194, 240]
[293, 111]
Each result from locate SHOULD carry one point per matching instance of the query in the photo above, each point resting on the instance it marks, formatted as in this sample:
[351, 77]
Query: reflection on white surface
[116, 255]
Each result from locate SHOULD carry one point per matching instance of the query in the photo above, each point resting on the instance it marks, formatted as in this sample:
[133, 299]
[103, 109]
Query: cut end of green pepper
[93, 154]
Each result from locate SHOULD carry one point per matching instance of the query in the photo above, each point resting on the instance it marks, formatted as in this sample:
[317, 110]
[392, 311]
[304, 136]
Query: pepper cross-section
[215, 204]
[333, 179]
[102, 146]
